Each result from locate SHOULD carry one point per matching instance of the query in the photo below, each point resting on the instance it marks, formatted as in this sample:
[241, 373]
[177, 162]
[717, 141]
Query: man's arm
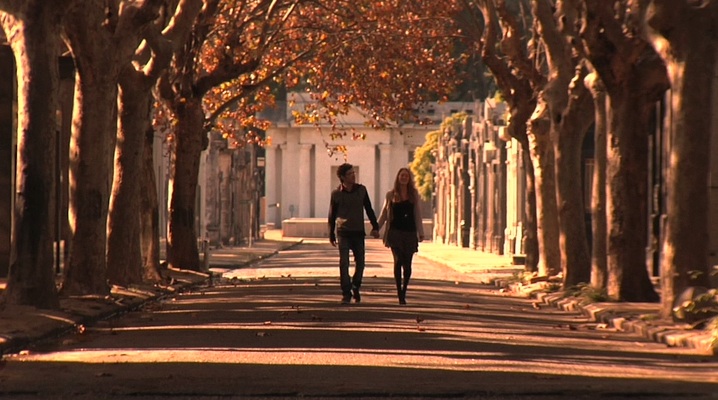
[370, 213]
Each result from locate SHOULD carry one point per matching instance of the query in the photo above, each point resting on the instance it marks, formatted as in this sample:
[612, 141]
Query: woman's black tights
[402, 264]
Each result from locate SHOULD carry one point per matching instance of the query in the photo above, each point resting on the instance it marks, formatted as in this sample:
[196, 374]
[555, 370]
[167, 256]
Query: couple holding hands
[402, 215]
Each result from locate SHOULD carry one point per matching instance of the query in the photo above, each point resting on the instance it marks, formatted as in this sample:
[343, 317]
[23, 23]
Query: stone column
[305, 180]
[270, 186]
[387, 172]
[289, 179]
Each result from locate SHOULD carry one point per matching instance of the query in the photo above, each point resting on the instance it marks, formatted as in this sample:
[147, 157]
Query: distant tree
[33, 30]
[422, 166]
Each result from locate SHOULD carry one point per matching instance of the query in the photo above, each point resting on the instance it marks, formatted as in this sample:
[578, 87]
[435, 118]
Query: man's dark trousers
[355, 243]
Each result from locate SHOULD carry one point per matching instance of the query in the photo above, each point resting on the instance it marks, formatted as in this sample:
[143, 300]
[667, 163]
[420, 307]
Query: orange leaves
[384, 57]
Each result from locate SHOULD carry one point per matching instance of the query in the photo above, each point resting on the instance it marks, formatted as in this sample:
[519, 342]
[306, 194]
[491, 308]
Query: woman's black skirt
[402, 240]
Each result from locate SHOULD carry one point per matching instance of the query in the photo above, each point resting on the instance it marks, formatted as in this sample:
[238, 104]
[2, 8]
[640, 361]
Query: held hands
[375, 234]
[421, 238]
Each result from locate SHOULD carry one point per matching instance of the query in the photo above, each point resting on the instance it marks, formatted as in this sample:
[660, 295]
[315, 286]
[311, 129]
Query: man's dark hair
[342, 170]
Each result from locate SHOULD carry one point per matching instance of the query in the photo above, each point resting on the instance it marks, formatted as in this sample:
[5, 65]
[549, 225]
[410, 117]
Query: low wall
[319, 228]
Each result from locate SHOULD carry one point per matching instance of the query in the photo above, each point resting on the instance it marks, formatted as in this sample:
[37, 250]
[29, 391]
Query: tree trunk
[627, 213]
[182, 238]
[531, 247]
[93, 136]
[570, 114]
[568, 128]
[634, 78]
[685, 37]
[547, 228]
[103, 38]
[599, 268]
[124, 253]
[33, 32]
[149, 214]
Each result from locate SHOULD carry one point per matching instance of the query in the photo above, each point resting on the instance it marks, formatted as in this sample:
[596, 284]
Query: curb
[75, 312]
[636, 318]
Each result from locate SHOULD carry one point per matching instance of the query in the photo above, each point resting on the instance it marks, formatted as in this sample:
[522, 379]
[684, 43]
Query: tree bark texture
[149, 215]
[599, 268]
[634, 78]
[93, 136]
[124, 252]
[182, 238]
[626, 205]
[33, 31]
[531, 247]
[547, 228]
[103, 41]
[685, 36]
[568, 129]
[566, 99]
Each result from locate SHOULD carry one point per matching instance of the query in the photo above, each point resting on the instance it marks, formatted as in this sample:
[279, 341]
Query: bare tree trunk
[182, 239]
[684, 36]
[531, 248]
[570, 115]
[627, 171]
[33, 32]
[149, 214]
[567, 136]
[634, 78]
[93, 137]
[103, 39]
[547, 228]
[599, 268]
[124, 253]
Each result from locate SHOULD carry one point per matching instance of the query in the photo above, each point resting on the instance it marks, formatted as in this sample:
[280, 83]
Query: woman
[404, 230]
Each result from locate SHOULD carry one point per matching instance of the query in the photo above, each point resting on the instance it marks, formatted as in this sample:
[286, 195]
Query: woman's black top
[403, 216]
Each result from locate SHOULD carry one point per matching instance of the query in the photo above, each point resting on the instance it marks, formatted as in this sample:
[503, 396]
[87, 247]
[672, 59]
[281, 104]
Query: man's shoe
[346, 300]
[356, 294]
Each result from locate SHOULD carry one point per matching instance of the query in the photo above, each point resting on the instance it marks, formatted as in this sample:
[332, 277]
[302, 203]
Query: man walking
[346, 228]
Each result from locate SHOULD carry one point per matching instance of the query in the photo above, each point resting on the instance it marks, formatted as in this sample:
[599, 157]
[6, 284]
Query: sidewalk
[20, 326]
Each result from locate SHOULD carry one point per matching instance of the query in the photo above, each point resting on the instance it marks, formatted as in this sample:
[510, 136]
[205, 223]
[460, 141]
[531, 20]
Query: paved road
[278, 331]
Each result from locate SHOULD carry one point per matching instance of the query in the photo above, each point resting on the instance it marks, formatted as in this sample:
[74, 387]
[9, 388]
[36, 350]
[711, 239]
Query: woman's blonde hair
[411, 189]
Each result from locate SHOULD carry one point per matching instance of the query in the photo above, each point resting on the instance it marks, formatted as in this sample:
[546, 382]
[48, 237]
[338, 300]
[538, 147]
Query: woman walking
[404, 230]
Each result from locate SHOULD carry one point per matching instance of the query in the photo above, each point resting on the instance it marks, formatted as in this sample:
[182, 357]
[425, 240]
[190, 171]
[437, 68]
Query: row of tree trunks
[91, 29]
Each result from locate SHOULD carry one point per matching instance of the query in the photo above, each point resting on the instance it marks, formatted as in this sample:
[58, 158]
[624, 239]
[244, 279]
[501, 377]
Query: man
[346, 228]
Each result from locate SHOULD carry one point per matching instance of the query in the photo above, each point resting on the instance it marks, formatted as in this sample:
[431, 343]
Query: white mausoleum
[300, 170]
